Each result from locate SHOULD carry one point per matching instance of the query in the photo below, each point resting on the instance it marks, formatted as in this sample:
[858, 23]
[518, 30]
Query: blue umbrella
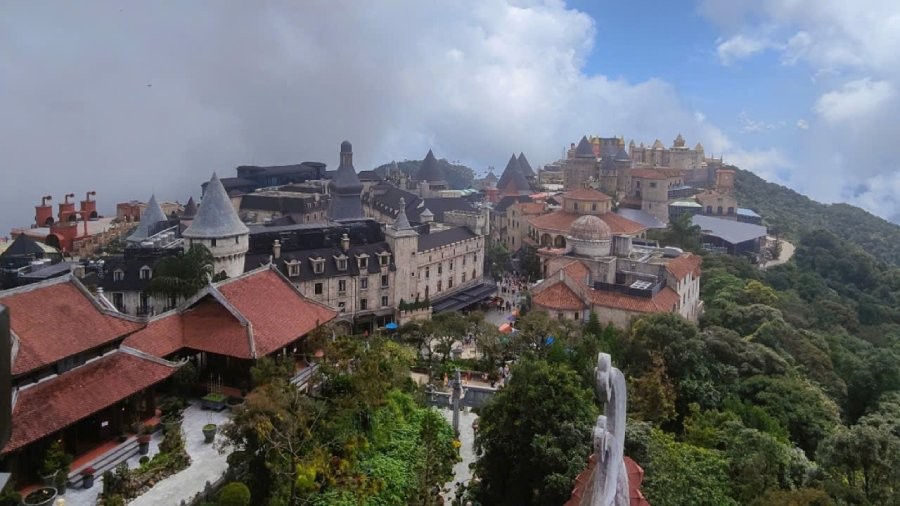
[391, 326]
[550, 340]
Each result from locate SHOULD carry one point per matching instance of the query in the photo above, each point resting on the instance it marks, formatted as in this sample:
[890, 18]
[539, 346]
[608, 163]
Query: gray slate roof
[23, 246]
[346, 189]
[430, 170]
[734, 232]
[216, 216]
[443, 238]
[643, 217]
[513, 180]
[622, 156]
[585, 149]
[190, 209]
[152, 215]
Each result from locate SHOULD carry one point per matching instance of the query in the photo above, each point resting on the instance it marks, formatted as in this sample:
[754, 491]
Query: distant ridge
[791, 214]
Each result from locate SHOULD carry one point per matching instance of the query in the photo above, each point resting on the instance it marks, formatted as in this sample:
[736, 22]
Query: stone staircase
[106, 462]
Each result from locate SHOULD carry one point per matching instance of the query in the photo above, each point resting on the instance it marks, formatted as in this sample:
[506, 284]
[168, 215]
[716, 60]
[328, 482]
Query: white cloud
[802, 124]
[749, 125]
[739, 47]
[856, 99]
[284, 82]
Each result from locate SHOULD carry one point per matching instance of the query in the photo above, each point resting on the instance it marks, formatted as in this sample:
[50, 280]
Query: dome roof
[590, 228]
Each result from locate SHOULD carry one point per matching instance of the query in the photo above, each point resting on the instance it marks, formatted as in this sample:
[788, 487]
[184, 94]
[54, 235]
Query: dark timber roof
[503, 204]
[527, 171]
[430, 170]
[23, 246]
[513, 180]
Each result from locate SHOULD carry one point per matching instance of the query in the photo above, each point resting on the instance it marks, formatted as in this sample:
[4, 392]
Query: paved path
[461, 471]
[207, 464]
[787, 251]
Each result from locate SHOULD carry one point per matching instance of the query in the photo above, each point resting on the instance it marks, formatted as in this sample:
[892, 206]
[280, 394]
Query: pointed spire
[402, 222]
[527, 171]
[585, 149]
[152, 215]
[345, 188]
[216, 216]
[430, 170]
[190, 209]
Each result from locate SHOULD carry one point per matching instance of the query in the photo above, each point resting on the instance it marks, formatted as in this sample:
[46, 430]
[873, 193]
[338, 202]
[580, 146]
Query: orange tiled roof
[648, 174]
[530, 207]
[259, 328]
[685, 264]
[56, 403]
[561, 221]
[577, 271]
[559, 297]
[664, 301]
[586, 194]
[278, 312]
[58, 320]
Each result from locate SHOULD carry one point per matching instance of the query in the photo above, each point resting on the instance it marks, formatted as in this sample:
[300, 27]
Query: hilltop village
[290, 249]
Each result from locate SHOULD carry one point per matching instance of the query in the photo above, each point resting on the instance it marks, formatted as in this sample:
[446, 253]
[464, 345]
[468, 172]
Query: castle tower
[149, 224]
[404, 242]
[217, 226]
[345, 189]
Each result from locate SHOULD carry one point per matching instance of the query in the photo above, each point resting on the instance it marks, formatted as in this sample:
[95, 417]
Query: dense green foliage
[184, 274]
[790, 214]
[534, 436]
[361, 439]
[234, 494]
[459, 177]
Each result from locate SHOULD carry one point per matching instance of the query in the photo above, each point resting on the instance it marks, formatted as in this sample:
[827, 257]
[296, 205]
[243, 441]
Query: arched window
[559, 242]
[146, 273]
[719, 210]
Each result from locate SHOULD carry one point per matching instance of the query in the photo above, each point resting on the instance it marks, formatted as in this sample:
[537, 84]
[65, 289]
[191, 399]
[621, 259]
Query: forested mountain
[789, 213]
[459, 177]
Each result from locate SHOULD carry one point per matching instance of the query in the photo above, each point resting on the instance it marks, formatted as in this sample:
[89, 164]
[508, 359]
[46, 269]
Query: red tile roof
[586, 194]
[561, 221]
[583, 491]
[208, 325]
[664, 301]
[274, 324]
[58, 320]
[530, 207]
[577, 271]
[685, 264]
[559, 297]
[56, 403]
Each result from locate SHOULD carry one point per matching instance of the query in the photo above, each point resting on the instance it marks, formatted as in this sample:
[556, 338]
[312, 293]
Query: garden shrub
[234, 494]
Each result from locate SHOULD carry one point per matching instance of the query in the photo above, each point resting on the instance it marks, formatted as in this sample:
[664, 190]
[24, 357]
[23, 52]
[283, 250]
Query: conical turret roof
[216, 216]
[527, 171]
[190, 209]
[152, 215]
[585, 149]
[512, 181]
[430, 170]
[402, 222]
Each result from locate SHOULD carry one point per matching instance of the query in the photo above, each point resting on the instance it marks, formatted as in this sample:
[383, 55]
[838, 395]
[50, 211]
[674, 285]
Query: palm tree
[182, 275]
[682, 232]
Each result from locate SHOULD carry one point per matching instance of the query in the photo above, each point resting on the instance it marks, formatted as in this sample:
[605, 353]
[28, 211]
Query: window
[342, 286]
[719, 210]
[118, 275]
[440, 268]
[652, 184]
[363, 282]
[363, 262]
[384, 280]
[575, 205]
[577, 316]
[363, 304]
[473, 274]
[451, 261]
[593, 207]
[293, 269]
[342, 306]
[342, 264]
[213, 243]
[318, 265]
[237, 240]
[144, 307]
[384, 300]
[172, 301]
[384, 259]
[318, 289]
[708, 209]
[464, 277]
[464, 260]
[440, 285]
[449, 283]
[146, 273]
[427, 272]
[119, 301]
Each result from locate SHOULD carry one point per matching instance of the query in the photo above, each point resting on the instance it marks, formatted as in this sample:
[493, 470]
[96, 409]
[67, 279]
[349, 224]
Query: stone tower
[404, 242]
[345, 189]
[217, 226]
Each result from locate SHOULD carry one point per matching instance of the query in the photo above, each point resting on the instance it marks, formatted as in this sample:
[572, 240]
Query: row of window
[363, 304]
[319, 288]
[146, 273]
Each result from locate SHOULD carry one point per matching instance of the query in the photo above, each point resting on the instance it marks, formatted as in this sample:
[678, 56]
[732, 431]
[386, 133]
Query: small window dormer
[118, 275]
[293, 268]
[362, 261]
[341, 262]
[146, 272]
[318, 264]
[384, 258]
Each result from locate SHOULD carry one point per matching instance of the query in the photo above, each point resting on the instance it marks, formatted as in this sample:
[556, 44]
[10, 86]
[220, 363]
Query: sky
[136, 98]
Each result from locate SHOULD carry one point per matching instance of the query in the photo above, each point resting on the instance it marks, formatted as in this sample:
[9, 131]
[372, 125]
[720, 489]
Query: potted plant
[43, 496]
[144, 439]
[56, 461]
[214, 401]
[209, 432]
[88, 477]
[62, 478]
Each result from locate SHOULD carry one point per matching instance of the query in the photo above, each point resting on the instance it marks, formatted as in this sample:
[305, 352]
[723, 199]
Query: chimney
[43, 214]
[88, 206]
[66, 209]
[276, 249]
[345, 243]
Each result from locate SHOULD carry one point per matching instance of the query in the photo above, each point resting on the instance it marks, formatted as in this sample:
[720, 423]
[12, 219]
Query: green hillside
[789, 213]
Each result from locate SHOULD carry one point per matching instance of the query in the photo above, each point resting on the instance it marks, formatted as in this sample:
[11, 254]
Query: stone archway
[52, 240]
[559, 242]
[546, 240]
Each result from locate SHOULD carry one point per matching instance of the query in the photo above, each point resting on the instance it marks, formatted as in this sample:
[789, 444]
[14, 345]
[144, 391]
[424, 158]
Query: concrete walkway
[207, 464]
[461, 471]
